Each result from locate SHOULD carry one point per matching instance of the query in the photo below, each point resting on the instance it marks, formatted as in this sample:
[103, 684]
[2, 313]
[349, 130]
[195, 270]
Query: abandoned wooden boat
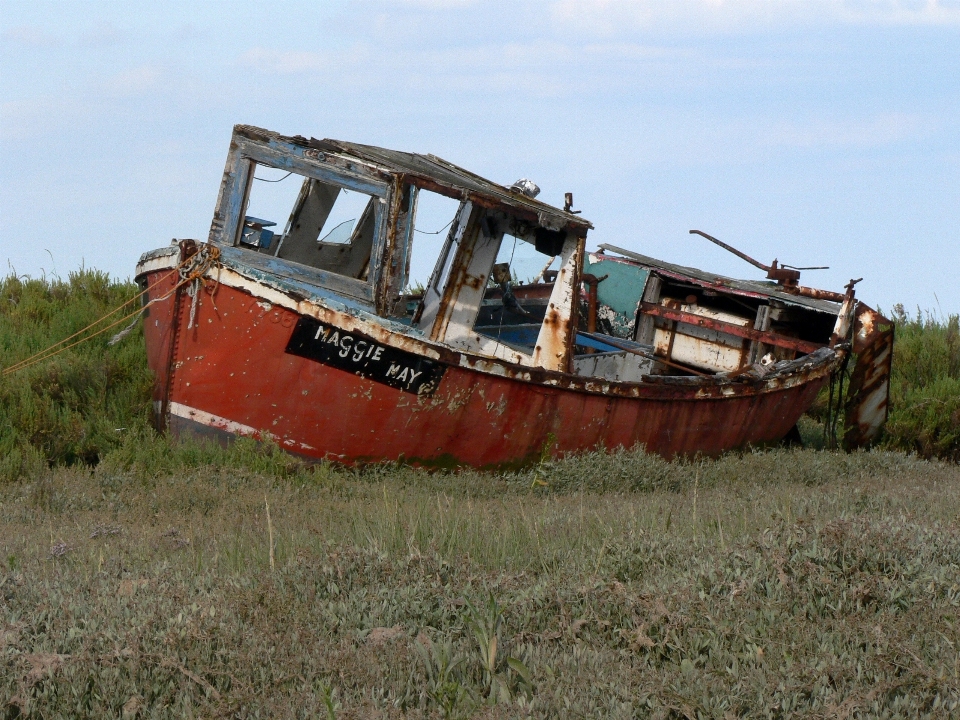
[310, 335]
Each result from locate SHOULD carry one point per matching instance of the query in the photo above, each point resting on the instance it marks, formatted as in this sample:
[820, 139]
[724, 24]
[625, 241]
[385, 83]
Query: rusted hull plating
[869, 394]
[231, 372]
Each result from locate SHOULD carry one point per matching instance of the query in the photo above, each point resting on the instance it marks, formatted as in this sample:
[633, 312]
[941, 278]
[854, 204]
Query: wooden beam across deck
[769, 338]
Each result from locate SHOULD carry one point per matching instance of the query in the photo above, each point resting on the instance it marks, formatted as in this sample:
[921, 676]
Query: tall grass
[629, 588]
[925, 387]
[80, 403]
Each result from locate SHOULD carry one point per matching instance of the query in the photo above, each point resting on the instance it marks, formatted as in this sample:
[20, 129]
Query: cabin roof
[750, 288]
[433, 173]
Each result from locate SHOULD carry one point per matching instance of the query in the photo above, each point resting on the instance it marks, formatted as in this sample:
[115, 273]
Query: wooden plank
[766, 337]
[762, 324]
[358, 179]
[646, 328]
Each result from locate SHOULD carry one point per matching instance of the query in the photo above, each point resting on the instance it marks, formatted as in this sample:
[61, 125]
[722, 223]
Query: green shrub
[80, 403]
[925, 386]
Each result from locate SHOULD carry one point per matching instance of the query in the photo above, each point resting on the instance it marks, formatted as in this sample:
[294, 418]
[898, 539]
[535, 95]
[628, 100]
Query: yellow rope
[211, 256]
[26, 361]
[23, 365]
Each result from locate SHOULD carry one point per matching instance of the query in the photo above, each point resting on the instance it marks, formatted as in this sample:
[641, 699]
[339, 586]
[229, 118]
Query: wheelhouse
[346, 225]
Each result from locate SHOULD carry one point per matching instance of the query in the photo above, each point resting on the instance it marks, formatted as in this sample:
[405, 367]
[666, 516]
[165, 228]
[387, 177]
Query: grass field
[146, 579]
[770, 584]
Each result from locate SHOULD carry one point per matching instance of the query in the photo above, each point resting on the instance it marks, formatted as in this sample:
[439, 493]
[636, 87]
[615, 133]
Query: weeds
[502, 674]
[925, 388]
[330, 702]
[389, 598]
[444, 684]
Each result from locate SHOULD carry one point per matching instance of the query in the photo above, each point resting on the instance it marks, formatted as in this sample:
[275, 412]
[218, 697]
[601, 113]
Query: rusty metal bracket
[591, 281]
[786, 275]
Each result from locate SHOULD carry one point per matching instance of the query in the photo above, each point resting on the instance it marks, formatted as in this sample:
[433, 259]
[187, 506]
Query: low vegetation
[142, 578]
[77, 405]
[234, 583]
[925, 388]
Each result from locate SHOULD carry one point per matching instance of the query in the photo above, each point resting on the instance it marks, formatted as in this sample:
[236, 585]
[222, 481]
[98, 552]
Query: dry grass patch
[770, 584]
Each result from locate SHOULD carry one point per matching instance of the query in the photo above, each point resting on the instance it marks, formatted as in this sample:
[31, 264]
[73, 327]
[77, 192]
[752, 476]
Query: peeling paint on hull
[231, 368]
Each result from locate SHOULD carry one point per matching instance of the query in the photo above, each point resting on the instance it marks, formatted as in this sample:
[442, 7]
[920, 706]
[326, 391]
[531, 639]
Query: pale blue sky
[820, 132]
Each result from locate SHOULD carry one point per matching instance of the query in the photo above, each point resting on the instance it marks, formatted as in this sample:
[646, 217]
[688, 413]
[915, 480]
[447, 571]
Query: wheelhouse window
[487, 292]
[319, 223]
[516, 298]
[434, 214]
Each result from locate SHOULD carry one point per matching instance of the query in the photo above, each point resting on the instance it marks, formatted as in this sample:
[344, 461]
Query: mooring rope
[190, 269]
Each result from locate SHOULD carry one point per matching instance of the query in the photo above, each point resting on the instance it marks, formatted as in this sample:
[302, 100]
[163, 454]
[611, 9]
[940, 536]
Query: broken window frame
[227, 227]
[451, 315]
[436, 288]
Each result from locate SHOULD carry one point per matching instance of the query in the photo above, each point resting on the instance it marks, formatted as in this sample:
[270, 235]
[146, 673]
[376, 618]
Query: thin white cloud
[870, 132]
[506, 66]
[103, 35]
[293, 62]
[30, 36]
[541, 67]
[685, 139]
[30, 118]
[611, 17]
[134, 81]
[900, 12]
[436, 4]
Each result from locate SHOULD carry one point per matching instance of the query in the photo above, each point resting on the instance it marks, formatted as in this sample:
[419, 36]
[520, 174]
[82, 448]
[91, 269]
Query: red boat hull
[223, 368]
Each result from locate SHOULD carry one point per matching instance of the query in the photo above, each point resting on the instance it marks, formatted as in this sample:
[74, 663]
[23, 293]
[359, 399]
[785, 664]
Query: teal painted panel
[619, 295]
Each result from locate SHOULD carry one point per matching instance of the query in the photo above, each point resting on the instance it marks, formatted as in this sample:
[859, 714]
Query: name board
[364, 357]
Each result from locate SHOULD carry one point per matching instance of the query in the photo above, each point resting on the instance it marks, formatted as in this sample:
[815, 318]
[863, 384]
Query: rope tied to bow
[198, 259]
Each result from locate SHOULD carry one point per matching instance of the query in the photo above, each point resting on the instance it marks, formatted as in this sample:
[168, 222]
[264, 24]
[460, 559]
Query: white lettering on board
[358, 347]
[364, 351]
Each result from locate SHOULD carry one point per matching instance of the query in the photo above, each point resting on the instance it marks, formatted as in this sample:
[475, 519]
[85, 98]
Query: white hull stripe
[205, 418]
[235, 428]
